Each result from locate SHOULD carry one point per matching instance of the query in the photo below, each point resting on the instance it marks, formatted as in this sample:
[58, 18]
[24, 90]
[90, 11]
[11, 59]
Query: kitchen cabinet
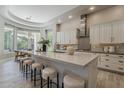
[105, 33]
[68, 37]
[73, 39]
[111, 62]
[58, 38]
[111, 33]
[118, 32]
[94, 34]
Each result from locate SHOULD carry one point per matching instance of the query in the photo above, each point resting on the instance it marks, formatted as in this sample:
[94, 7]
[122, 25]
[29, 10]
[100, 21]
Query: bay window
[8, 39]
[22, 40]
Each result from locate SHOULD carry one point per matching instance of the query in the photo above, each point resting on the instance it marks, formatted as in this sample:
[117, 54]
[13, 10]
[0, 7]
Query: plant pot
[44, 48]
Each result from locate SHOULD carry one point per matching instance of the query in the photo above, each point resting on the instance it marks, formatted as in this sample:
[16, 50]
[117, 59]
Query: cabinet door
[69, 37]
[122, 32]
[116, 32]
[65, 37]
[94, 34]
[105, 33]
[62, 38]
[73, 39]
[58, 38]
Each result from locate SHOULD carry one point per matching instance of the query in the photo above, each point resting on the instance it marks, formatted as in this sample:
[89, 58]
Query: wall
[71, 25]
[106, 15]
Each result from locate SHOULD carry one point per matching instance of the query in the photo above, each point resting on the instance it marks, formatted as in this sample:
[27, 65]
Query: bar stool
[71, 81]
[35, 68]
[27, 67]
[21, 62]
[49, 74]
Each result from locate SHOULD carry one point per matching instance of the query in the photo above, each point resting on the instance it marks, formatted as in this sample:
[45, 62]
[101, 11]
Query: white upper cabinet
[105, 31]
[58, 38]
[112, 32]
[73, 39]
[68, 37]
[118, 32]
[122, 32]
[94, 34]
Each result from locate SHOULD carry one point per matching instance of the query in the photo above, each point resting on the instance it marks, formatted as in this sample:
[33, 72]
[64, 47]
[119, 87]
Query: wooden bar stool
[72, 81]
[36, 69]
[21, 62]
[49, 74]
[27, 67]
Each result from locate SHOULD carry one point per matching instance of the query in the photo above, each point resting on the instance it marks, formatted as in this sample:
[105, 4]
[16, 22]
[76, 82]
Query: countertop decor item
[106, 49]
[44, 44]
[70, 50]
[111, 49]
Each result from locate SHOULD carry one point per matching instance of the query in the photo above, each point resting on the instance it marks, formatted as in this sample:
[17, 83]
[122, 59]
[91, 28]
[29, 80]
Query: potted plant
[44, 43]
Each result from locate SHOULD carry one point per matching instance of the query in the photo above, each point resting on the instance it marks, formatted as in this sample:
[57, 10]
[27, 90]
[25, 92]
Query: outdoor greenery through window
[8, 40]
[22, 40]
[50, 38]
[16, 39]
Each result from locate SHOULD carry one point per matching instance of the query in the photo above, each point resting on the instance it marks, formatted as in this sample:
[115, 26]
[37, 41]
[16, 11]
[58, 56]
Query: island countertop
[81, 63]
[79, 58]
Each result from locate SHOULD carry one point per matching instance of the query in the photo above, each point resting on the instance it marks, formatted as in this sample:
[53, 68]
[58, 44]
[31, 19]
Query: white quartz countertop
[79, 58]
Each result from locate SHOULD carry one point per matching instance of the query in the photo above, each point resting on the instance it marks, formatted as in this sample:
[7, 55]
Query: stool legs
[51, 83]
[48, 80]
[62, 85]
[23, 70]
[35, 77]
[26, 71]
[21, 65]
[31, 74]
[41, 79]
[57, 80]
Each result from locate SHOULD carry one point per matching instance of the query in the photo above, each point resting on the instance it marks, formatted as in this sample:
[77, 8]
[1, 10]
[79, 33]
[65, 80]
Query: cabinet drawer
[113, 56]
[107, 65]
[115, 61]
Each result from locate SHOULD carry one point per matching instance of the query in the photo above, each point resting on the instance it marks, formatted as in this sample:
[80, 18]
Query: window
[15, 38]
[50, 38]
[37, 37]
[22, 40]
[8, 39]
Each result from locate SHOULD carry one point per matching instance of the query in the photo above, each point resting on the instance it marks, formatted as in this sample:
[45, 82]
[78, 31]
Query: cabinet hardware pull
[107, 65]
[120, 56]
[120, 68]
[107, 59]
[107, 55]
[120, 61]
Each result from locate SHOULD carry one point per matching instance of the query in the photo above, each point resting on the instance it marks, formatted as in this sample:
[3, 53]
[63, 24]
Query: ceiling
[39, 13]
[36, 16]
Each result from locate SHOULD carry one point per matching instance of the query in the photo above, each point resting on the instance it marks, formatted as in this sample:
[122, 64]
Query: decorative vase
[70, 50]
[44, 48]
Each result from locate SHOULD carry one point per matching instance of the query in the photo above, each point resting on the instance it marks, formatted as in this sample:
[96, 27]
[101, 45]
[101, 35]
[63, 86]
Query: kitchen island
[81, 64]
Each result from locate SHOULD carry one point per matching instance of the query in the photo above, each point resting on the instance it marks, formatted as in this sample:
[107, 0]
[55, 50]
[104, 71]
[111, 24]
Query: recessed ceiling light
[92, 8]
[70, 17]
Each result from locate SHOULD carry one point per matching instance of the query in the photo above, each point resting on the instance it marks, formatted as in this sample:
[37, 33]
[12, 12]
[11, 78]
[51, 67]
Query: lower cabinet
[111, 62]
